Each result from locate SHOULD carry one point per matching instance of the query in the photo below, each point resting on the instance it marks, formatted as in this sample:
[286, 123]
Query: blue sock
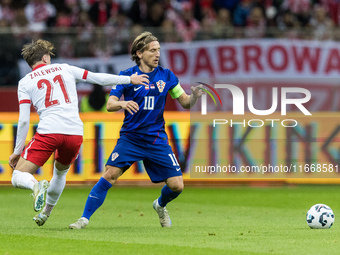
[166, 196]
[96, 197]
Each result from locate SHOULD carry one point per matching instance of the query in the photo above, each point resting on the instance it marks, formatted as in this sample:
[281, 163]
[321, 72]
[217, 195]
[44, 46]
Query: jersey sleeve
[103, 79]
[23, 94]
[79, 74]
[24, 118]
[118, 90]
[23, 125]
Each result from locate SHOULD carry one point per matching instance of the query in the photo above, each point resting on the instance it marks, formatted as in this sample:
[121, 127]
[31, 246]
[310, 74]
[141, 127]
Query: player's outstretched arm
[139, 79]
[188, 101]
[105, 79]
[113, 105]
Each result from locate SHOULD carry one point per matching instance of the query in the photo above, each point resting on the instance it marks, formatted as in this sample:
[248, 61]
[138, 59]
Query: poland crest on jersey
[160, 85]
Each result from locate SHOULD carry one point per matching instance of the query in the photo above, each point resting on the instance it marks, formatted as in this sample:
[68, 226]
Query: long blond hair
[141, 43]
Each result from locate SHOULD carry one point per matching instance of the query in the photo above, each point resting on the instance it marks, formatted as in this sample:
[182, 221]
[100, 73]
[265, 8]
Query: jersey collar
[148, 72]
[38, 66]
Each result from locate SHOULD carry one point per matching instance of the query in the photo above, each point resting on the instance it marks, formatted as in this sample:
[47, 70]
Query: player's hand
[139, 79]
[197, 91]
[13, 160]
[131, 106]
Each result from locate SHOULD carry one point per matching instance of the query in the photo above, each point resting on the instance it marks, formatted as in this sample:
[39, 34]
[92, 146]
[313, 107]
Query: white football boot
[81, 223]
[39, 194]
[163, 214]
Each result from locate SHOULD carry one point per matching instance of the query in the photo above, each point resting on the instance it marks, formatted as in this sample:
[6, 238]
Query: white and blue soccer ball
[320, 216]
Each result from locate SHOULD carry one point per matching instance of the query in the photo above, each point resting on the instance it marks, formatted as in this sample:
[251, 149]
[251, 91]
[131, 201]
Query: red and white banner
[253, 59]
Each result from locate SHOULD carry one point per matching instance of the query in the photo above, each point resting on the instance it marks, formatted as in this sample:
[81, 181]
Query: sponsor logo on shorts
[114, 156]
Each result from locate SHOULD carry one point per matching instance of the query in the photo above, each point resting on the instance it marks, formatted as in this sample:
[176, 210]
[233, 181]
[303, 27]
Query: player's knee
[177, 187]
[112, 174]
[18, 179]
[110, 178]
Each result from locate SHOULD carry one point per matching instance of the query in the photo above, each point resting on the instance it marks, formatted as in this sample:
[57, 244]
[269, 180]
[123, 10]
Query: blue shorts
[158, 159]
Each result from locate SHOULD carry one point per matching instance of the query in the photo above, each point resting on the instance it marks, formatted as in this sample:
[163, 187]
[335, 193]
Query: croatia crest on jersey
[114, 156]
[160, 85]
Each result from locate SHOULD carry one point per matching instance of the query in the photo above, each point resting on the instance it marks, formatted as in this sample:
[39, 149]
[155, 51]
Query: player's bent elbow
[23, 122]
[113, 105]
[111, 108]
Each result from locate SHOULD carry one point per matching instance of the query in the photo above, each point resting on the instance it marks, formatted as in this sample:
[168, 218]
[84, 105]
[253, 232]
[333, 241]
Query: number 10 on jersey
[149, 103]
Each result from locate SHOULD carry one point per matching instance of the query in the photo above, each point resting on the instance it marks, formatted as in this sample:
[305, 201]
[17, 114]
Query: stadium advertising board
[266, 150]
[269, 148]
[101, 131]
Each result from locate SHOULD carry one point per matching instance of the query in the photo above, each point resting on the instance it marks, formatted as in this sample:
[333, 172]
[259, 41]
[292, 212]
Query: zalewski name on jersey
[46, 71]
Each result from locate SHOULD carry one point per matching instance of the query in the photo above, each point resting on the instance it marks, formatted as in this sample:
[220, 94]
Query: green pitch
[239, 220]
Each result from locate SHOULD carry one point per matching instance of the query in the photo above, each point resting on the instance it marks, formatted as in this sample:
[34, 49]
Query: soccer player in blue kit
[142, 136]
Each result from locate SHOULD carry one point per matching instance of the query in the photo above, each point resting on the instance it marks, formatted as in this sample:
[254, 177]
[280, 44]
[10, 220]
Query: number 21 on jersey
[49, 90]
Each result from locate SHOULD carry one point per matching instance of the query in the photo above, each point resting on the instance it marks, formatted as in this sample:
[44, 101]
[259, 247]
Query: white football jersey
[51, 89]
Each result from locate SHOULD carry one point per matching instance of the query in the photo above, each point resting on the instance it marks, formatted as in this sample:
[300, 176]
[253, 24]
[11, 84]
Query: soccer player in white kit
[51, 89]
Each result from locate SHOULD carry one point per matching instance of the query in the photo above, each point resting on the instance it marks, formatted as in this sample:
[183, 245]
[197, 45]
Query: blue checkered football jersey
[148, 123]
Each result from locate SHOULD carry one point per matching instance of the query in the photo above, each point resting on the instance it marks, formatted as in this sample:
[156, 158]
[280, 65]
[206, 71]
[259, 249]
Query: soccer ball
[320, 216]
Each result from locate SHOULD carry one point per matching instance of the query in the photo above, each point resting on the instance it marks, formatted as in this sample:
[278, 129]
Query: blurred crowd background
[104, 28]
